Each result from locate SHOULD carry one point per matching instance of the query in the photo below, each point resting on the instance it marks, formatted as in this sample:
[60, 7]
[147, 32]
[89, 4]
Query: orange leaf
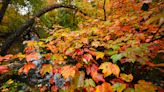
[95, 75]
[115, 70]
[4, 69]
[26, 68]
[105, 87]
[68, 71]
[54, 88]
[33, 56]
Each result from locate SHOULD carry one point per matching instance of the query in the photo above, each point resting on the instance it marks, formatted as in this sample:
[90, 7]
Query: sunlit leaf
[99, 55]
[105, 87]
[115, 70]
[68, 71]
[108, 68]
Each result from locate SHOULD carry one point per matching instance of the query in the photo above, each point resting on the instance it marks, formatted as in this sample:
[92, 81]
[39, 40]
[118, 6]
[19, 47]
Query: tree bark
[104, 8]
[5, 4]
[11, 39]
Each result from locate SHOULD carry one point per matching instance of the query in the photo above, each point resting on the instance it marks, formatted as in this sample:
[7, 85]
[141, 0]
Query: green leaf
[116, 57]
[119, 87]
[89, 82]
[112, 52]
[129, 90]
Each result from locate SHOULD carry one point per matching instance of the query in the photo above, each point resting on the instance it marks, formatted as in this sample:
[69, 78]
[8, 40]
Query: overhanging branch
[10, 40]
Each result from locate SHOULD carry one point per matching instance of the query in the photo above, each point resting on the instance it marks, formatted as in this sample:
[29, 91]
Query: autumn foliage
[100, 56]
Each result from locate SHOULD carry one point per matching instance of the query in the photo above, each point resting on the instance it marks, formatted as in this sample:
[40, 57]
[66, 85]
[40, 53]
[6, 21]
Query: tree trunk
[11, 39]
[5, 4]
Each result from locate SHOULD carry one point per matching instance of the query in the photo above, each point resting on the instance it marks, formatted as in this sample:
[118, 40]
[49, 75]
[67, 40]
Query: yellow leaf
[20, 56]
[125, 77]
[99, 55]
[106, 68]
[10, 81]
[46, 68]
